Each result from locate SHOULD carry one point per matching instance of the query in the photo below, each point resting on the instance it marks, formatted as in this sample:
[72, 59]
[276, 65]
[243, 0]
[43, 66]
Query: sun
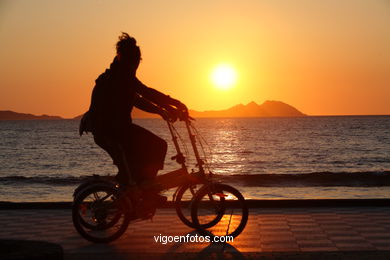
[224, 76]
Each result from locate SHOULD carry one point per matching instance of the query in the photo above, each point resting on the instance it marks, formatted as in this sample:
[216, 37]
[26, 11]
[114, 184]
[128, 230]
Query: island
[252, 109]
[11, 115]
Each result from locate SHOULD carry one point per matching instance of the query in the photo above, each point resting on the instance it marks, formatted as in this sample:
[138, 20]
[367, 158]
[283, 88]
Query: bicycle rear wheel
[235, 210]
[99, 215]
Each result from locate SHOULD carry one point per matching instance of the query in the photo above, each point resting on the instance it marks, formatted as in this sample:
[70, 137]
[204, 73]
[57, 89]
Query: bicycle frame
[179, 157]
[182, 178]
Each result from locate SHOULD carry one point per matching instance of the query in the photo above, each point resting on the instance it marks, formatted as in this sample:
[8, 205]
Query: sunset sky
[323, 57]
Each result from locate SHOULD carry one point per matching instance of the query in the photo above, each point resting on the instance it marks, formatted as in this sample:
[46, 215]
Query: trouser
[138, 153]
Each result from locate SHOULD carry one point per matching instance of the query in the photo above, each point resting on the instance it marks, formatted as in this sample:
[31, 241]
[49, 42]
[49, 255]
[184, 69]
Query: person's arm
[144, 105]
[157, 97]
[147, 106]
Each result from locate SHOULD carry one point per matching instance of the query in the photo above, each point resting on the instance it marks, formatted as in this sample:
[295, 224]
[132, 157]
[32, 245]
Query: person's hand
[182, 111]
[179, 109]
[181, 106]
[168, 114]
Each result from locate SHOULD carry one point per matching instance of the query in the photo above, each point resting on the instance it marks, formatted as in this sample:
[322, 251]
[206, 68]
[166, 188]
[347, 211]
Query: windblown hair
[127, 47]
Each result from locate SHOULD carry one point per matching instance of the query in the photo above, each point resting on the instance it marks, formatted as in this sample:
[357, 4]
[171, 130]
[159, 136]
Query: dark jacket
[113, 98]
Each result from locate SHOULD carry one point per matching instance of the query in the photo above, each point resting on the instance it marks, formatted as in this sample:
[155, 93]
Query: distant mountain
[267, 109]
[11, 115]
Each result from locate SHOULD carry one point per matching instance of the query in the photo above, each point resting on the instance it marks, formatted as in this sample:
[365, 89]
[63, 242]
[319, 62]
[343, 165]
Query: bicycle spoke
[230, 220]
[96, 195]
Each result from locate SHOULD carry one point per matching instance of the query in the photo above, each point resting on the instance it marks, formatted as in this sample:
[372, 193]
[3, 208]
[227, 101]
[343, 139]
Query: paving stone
[318, 248]
[315, 243]
[380, 242]
[268, 230]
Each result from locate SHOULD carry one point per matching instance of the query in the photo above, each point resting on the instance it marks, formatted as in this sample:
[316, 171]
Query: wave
[325, 179]
[50, 180]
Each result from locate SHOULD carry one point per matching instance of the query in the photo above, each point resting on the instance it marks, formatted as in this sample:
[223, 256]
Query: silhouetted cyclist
[115, 93]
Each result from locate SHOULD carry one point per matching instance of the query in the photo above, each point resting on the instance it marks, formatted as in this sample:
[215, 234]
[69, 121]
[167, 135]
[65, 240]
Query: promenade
[302, 232]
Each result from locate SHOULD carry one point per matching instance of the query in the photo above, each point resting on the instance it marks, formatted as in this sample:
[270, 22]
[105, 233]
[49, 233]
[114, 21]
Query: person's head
[128, 53]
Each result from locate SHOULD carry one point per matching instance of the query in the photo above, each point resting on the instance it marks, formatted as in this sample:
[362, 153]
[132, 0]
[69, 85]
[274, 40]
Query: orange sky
[323, 57]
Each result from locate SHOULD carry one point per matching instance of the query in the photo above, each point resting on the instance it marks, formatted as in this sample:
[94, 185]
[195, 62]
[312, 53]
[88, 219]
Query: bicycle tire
[86, 184]
[123, 207]
[181, 215]
[82, 221]
[215, 188]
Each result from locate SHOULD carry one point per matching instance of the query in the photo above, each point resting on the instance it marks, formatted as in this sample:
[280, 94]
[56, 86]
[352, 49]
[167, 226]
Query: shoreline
[304, 203]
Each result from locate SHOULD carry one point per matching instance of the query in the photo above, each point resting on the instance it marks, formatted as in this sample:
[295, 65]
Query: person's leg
[147, 152]
[118, 157]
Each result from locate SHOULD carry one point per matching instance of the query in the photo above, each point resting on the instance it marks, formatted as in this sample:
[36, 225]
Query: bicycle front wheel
[208, 203]
[99, 215]
[183, 202]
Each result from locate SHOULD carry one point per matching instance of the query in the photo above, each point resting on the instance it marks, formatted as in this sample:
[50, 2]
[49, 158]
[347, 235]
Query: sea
[314, 157]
